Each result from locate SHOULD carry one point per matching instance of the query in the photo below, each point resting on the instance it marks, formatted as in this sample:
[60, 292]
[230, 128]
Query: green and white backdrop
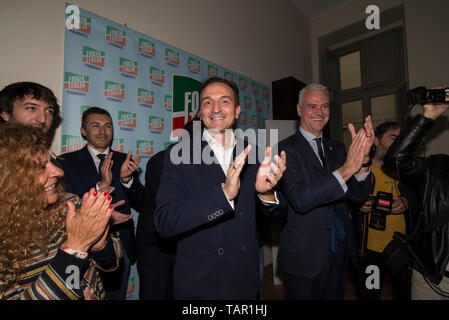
[149, 87]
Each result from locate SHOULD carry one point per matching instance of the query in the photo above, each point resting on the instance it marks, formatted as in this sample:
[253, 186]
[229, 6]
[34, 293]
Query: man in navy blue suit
[317, 239]
[209, 200]
[97, 166]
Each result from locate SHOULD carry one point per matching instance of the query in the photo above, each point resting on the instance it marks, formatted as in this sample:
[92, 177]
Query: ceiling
[313, 8]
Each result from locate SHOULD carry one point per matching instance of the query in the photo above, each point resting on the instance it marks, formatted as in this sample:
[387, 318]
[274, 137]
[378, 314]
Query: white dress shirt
[224, 157]
[94, 154]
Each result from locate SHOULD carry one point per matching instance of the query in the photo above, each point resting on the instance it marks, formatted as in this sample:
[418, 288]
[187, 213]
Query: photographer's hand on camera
[433, 111]
[399, 206]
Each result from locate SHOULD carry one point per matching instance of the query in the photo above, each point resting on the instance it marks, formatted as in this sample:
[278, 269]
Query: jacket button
[244, 249]
[243, 215]
[220, 251]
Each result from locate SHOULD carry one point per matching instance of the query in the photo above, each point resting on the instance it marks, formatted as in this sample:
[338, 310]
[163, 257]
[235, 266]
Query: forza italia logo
[172, 57]
[185, 102]
[144, 148]
[118, 145]
[114, 91]
[145, 97]
[194, 65]
[93, 57]
[157, 76]
[128, 67]
[72, 143]
[127, 120]
[76, 83]
[115, 36]
[156, 124]
[146, 48]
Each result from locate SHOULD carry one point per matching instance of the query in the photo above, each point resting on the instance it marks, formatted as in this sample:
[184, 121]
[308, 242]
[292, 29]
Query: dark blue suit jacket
[312, 192]
[217, 255]
[81, 175]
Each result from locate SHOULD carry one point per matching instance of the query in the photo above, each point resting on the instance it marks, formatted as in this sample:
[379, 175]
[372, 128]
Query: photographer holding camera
[382, 215]
[429, 241]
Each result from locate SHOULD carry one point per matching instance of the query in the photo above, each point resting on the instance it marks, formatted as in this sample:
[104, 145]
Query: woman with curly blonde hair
[52, 244]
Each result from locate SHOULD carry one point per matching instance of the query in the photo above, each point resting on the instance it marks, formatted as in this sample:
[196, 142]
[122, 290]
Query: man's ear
[5, 115]
[376, 141]
[298, 109]
[237, 111]
[83, 132]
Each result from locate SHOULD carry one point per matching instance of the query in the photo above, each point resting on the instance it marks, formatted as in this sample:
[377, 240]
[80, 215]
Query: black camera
[381, 207]
[421, 96]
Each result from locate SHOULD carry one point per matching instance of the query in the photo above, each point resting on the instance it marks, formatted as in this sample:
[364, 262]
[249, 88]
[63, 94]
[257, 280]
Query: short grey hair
[310, 87]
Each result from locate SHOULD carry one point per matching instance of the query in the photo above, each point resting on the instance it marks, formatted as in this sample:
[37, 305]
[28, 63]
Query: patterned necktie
[320, 151]
[101, 156]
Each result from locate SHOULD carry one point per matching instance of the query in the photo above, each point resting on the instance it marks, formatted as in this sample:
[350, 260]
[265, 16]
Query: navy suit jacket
[217, 254]
[81, 175]
[312, 192]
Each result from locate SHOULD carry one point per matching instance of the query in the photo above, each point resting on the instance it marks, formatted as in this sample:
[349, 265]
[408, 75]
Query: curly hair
[27, 222]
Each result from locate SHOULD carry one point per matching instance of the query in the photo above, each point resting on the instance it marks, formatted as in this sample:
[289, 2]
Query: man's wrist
[367, 164]
[126, 179]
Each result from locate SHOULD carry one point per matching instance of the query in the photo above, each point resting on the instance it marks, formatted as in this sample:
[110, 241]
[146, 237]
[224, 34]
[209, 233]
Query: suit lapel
[329, 153]
[309, 155]
[213, 170]
[87, 165]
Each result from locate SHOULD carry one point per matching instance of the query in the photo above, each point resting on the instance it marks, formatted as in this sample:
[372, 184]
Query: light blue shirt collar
[309, 136]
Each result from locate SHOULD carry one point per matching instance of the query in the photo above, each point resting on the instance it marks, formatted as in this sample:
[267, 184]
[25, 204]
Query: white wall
[427, 39]
[266, 40]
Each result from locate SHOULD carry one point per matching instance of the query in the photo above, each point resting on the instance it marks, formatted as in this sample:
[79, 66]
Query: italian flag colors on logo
[212, 72]
[185, 102]
[255, 88]
[156, 123]
[172, 56]
[259, 105]
[118, 145]
[168, 102]
[243, 84]
[194, 65]
[85, 24]
[72, 143]
[243, 117]
[82, 109]
[229, 76]
[157, 75]
[77, 82]
[144, 147]
[247, 102]
[114, 89]
[255, 120]
[146, 47]
[93, 56]
[266, 92]
[127, 119]
[116, 36]
[145, 96]
[128, 66]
